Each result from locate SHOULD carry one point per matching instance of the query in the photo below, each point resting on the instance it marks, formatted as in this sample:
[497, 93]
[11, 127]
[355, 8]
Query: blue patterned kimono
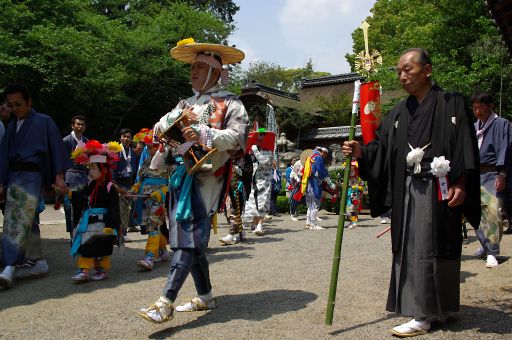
[494, 152]
[29, 160]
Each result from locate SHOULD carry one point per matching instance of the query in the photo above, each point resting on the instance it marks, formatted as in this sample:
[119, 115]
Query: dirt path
[274, 286]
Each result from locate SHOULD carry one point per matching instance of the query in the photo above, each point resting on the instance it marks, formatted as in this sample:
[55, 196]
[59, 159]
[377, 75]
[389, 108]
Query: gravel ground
[274, 286]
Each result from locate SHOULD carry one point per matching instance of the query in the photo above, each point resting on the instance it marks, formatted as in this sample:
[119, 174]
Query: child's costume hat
[145, 136]
[95, 152]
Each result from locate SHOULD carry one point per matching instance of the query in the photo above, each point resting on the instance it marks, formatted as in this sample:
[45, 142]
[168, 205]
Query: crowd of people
[429, 168]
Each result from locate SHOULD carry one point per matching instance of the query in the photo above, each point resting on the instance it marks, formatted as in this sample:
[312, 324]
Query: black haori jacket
[384, 164]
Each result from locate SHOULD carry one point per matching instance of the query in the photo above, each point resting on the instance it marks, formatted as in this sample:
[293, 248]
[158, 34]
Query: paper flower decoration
[185, 41]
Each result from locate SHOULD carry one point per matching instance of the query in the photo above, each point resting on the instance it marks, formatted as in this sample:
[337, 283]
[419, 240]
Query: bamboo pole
[343, 206]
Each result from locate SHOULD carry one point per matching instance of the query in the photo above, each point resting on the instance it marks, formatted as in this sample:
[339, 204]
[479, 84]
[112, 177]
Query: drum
[304, 155]
[198, 153]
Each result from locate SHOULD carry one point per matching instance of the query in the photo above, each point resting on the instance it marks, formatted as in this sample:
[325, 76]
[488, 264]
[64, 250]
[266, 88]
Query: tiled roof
[253, 86]
[255, 94]
[335, 132]
[330, 80]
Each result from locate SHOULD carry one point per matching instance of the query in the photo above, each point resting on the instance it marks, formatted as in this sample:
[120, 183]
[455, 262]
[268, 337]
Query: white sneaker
[197, 304]
[228, 240]
[491, 261]
[146, 263]
[383, 221]
[316, 227]
[32, 269]
[293, 218]
[99, 275]
[81, 276]
[258, 230]
[6, 276]
[319, 219]
[162, 310]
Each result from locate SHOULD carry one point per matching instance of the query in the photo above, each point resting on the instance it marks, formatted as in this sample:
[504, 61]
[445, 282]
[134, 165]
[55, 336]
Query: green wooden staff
[343, 207]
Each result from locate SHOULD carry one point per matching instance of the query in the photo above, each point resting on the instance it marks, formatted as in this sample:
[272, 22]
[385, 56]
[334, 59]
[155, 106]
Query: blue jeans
[185, 261]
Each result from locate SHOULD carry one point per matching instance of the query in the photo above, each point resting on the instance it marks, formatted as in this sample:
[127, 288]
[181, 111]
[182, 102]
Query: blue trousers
[185, 261]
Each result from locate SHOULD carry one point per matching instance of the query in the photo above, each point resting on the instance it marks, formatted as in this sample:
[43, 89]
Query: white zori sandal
[197, 304]
[162, 310]
[411, 328]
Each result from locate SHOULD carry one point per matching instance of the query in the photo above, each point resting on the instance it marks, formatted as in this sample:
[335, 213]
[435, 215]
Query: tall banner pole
[343, 207]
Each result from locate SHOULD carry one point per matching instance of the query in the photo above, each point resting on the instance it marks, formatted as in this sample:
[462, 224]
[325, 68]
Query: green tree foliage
[280, 78]
[336, 111]
[464, 43]
[106, 59]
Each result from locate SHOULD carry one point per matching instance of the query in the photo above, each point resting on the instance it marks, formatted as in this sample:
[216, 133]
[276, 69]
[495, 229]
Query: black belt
[424, 173]
[488, 168]
[24, 167]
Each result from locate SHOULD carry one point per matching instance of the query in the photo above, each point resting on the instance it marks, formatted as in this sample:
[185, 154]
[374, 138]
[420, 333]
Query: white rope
[415, 156]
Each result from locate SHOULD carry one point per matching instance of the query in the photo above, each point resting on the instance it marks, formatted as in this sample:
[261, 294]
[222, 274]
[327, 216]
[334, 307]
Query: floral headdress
[145, 136]
[96, 152]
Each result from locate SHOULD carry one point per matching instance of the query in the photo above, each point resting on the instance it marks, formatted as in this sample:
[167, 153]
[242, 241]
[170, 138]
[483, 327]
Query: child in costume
[314, 174]
[151, 190]
[98, 205]
[261, 145]
[354, 195]
[239, 191]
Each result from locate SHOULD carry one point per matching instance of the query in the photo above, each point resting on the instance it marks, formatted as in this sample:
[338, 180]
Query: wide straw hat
[186, 50]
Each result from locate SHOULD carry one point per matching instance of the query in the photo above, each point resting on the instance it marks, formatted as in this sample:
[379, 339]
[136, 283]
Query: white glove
[254, 148]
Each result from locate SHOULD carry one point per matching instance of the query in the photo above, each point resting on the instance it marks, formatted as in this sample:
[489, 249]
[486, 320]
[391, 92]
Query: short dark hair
[423, 55]
[18, 88]
[3, 98]
[125, 130]
[79, 117]
[482, 97]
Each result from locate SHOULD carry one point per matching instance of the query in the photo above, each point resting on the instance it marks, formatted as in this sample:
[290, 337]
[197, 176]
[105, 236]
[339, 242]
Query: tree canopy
[464, 43]
[278, 77]
[105, 59]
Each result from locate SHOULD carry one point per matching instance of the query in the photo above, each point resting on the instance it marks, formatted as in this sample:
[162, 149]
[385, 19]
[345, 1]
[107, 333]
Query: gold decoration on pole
[367, 63]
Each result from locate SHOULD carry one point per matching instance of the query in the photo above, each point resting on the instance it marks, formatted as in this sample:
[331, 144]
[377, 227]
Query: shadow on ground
[483, 320]
[124, 271]
[253, 307]
[351, 328]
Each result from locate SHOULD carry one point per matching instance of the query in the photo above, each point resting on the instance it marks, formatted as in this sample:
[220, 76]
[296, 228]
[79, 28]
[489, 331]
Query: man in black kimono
[406, 168]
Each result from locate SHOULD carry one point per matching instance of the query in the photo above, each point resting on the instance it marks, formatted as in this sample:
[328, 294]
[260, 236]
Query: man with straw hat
[219, 121]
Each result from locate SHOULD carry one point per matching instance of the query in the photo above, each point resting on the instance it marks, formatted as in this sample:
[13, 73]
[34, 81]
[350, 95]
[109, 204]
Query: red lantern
[369, 110]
